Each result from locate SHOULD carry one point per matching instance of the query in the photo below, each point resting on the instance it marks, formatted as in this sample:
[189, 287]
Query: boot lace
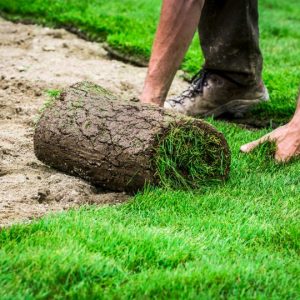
[198, 82]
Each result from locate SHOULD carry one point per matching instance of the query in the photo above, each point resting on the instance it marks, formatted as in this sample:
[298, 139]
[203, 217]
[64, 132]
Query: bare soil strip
[33, 60]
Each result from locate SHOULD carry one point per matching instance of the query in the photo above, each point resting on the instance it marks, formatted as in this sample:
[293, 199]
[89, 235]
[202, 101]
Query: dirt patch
[33, 60]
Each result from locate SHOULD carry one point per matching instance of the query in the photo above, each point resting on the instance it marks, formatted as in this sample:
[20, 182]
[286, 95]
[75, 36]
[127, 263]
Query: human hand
[286, 138]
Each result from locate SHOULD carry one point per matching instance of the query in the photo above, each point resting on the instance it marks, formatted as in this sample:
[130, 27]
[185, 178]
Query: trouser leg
[229, 38]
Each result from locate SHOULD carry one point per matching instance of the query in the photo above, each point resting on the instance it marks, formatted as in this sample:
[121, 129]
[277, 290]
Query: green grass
[234, 240]
[129, 26]
[189, 157]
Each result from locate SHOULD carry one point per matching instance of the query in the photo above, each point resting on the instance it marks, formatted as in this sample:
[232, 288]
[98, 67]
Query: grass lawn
[237, 240]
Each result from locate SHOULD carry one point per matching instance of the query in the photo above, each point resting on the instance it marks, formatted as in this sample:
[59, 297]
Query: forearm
[178, 22]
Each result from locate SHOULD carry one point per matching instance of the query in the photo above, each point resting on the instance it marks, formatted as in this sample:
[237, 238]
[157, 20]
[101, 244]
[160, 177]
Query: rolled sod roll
[123, 145]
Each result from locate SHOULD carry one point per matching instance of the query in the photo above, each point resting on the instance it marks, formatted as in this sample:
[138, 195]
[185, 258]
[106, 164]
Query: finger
[250, 146]
[284, 155]
[282, 158]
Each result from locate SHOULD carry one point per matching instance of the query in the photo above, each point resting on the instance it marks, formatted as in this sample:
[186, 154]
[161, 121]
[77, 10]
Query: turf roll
[123, 145]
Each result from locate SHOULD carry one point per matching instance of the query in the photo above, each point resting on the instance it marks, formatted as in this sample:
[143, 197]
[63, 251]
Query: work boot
[213, 94]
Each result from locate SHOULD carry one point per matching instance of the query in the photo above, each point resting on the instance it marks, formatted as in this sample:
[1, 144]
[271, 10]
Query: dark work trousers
[229, 38]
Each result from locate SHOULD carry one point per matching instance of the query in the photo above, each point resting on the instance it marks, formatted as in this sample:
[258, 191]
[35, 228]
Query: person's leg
[230, 81]
[229, 38]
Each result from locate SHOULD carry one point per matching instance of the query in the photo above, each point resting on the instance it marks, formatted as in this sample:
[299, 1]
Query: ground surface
[33, 60]
[129, 27]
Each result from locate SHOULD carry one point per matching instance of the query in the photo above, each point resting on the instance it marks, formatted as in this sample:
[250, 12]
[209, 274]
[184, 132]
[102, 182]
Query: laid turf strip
[174, 245]
[234, 240]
